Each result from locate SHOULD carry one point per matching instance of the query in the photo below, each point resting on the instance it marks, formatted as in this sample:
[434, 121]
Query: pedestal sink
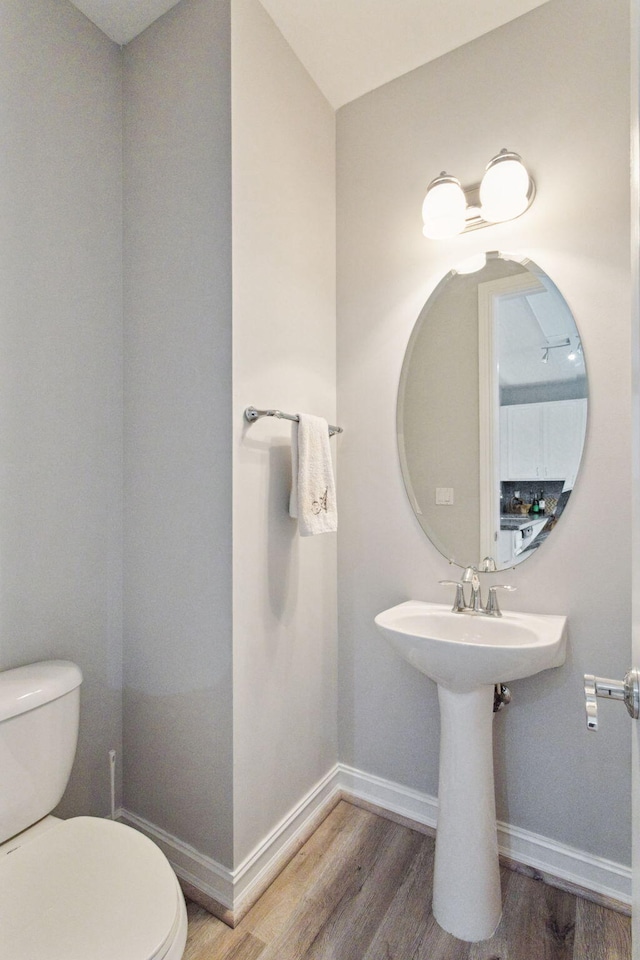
[466, 654]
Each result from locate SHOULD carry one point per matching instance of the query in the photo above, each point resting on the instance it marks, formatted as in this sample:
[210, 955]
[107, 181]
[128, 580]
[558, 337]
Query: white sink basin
[462, 651]
[466, 654]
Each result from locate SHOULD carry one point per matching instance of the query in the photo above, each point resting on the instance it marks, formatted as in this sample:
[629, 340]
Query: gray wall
[177, 541]
[61, 365]
[285, 635]
[62, 349]
[179, 694]
[565, 108]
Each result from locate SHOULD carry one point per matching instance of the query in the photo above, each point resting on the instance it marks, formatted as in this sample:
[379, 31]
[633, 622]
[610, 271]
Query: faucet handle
[493, 607]
[459, 603]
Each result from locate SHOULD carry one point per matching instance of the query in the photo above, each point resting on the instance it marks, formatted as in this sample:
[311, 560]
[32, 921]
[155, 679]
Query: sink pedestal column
[467, 900]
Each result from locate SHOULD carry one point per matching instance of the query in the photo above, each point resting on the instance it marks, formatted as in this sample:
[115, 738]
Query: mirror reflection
[492, 412]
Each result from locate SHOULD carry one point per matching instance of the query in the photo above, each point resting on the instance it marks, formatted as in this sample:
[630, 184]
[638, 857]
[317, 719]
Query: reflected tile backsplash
[517, 495]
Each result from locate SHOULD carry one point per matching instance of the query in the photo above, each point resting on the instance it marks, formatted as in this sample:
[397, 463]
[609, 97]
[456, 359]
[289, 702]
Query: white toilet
[79, 889]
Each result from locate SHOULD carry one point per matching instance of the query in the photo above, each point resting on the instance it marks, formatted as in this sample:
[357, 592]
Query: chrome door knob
[627, 690]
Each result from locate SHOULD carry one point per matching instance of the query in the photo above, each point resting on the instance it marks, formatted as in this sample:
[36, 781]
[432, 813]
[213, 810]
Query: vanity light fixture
[506, 191]
[444, 208]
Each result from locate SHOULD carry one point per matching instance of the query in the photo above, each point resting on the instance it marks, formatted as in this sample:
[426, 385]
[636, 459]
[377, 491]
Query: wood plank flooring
[360, 889]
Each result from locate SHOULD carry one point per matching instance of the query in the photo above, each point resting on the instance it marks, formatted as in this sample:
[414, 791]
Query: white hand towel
[313, 491]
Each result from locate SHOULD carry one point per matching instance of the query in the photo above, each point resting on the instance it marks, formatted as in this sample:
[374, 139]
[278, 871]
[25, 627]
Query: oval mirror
[492, 412]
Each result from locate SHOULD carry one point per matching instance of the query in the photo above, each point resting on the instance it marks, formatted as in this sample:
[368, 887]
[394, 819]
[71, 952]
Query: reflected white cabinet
[520, 441]
[542, 441]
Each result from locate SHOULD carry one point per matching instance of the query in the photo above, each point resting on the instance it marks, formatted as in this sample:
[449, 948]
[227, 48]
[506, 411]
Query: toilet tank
[39, 712]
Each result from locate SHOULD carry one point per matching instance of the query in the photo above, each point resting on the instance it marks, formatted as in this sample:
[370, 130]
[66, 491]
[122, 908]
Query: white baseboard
[284, 840]
[390, 796]
[604, 877]
[202, 872]
[610, 880]
[236, 889]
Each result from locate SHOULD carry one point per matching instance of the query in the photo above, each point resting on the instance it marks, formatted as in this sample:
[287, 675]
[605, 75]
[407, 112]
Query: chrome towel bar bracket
[252, 414]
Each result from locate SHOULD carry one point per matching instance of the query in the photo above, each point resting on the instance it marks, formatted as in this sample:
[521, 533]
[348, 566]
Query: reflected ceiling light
[565, 342]
[576, 355]
[505, 193]
[444, 207]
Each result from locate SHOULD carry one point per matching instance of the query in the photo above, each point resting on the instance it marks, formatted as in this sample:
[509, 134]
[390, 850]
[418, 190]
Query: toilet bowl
[89, 889]
[77, 889]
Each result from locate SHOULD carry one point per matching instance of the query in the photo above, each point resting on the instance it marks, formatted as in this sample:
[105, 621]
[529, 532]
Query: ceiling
[348, 46]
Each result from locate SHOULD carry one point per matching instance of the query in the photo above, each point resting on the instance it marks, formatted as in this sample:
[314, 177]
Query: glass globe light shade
[504, 189]
[444, 207]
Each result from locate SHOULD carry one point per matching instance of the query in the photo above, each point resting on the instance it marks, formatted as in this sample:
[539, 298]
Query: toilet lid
[88, 889]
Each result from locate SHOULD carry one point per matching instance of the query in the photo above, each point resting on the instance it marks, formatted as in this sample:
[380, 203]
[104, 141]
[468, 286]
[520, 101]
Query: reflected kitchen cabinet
[542, 441]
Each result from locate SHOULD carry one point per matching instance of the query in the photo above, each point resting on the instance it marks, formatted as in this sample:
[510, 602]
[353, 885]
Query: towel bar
[252, 414]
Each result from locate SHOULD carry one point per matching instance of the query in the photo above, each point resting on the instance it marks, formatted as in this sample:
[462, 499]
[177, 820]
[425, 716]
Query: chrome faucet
[475, 605]
[470, 575]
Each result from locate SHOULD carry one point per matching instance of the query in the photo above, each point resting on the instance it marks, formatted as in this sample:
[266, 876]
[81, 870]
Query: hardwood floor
[360, 889]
